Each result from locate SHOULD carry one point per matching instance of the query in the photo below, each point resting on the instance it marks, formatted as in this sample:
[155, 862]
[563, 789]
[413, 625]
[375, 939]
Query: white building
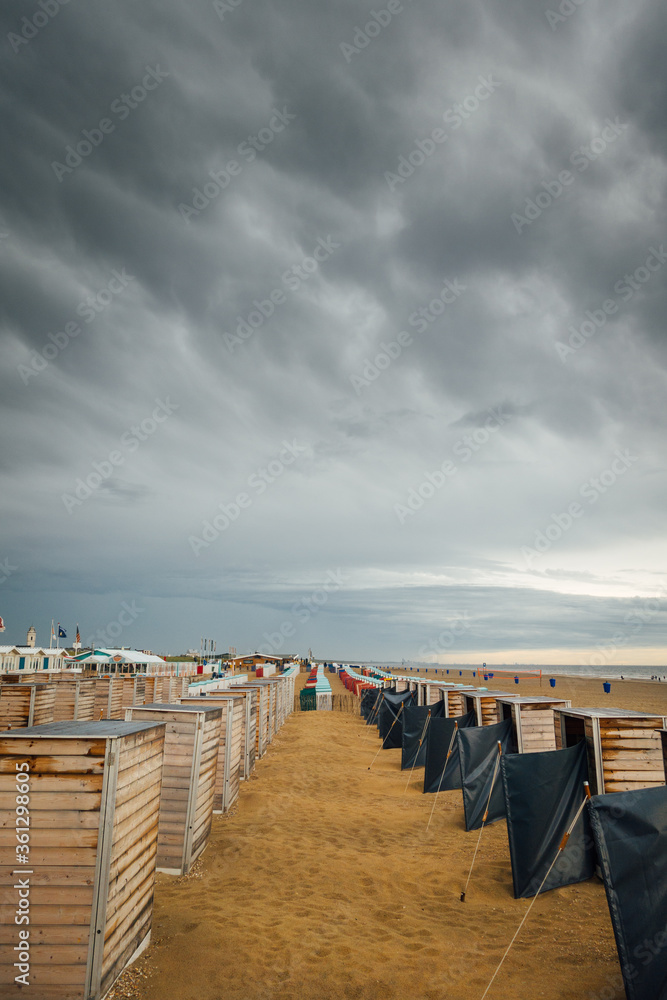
[30, 659]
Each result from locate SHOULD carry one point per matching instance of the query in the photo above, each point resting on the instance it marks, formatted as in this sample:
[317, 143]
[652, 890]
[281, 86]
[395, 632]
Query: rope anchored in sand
[563, 845]
[421, 740]
[449, 753]
[484, 818]
[387, 736]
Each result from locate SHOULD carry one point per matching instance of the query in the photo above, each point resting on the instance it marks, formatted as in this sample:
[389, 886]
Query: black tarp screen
[414, 719]
[389, 717]
[438, 738]
[478, 752]
[543, 792]
[630, 831]
[370, 699]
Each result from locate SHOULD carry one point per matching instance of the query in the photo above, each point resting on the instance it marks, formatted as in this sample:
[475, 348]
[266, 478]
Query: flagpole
[51, 639]
[58, 637]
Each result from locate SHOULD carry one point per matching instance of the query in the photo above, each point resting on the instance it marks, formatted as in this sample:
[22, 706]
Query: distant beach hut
[624, 747]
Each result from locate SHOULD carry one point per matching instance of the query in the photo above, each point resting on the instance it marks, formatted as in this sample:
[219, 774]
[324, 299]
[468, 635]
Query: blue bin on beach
[607, 687]
[486, 677]
[552, 682]
[460, 673]
[516, 680]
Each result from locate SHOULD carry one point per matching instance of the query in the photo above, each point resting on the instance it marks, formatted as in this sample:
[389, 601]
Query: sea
[604, 672]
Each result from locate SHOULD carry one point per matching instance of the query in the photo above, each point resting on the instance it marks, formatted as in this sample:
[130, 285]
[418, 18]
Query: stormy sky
[336, 325]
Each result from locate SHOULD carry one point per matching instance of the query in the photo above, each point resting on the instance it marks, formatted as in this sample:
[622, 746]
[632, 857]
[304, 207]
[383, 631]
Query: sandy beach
[324, 884]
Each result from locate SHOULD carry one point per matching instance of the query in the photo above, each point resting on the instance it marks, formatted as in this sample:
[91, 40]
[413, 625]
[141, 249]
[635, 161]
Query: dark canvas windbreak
[414, 719]
[438, 738]
[478, 752]
[370, 699]
[391, 731]
[630, 831]
[543, 792]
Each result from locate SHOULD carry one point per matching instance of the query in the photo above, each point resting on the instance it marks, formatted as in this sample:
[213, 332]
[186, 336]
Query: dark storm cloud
[302, 297]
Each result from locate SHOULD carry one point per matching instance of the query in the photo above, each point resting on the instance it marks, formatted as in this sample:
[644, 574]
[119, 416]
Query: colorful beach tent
[478, 753]
[389, 717]
[543, 792]
[438, 740]
[415, 731]
[630, 831]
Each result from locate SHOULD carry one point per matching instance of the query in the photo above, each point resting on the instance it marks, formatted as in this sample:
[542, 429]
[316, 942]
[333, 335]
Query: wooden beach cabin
[94, 798]
[532, 720]
[26, 705]
[624, 747]
[484, 704]
[231, 748]
[191, 742]
[259, 708]
[454, 699]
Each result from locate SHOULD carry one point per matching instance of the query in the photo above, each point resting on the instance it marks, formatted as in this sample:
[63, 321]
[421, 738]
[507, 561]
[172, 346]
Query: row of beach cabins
[103, 782]
[582, 790]
[626, 750]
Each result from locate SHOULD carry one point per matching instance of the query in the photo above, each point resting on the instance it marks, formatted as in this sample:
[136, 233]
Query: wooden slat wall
[26, 704]
[537, 727]
[186, 778]
[631, 754]
[134, 849]
[206, 784]
[455, 703]
[108, 698]
[65, 795]
[74, 700]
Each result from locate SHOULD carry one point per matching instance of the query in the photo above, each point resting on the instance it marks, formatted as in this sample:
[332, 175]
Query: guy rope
[484, 818]
[387, 736]
[449, 753]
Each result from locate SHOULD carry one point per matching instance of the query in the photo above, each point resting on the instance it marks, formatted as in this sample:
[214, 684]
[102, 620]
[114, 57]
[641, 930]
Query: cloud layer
[295, 290]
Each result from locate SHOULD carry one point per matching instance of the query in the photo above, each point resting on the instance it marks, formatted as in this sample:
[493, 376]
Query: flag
[78, 634]
[62, 634]
[2, 625]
